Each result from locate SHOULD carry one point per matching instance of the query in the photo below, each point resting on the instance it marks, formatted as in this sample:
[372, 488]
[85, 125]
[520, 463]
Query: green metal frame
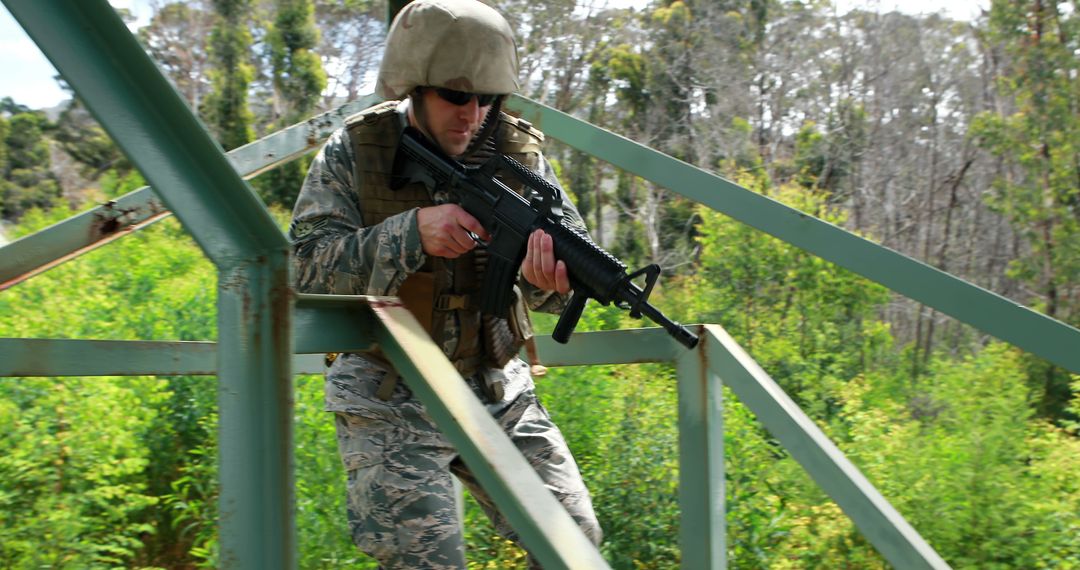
[968, 303]
[120, 85]
[131, 212]
[719, 360]
[259, 317]
[92, 48]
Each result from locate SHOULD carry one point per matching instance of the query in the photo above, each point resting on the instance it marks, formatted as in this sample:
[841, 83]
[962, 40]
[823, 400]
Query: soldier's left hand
[540, 266]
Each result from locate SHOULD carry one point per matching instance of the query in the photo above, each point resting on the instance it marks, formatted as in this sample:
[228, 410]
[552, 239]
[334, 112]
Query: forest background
[955, 142]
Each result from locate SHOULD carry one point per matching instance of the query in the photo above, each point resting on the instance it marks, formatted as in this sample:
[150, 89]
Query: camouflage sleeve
[334, 253]
[539, 299]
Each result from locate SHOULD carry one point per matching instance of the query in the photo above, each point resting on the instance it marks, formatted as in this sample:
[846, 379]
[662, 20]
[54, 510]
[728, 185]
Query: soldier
[451, 63]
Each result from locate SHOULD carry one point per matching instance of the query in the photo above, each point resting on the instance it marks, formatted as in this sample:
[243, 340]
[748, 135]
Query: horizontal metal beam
[332, 323]
[321, 324]
[543, 524]
[87, 231]
[875, 518]
[971, 304]
[73, 357]
[92, 48]
[625, 346]
[28, 357]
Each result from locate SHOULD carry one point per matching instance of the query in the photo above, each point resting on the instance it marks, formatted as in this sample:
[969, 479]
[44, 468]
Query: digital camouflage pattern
[401, 503]
[336, 254]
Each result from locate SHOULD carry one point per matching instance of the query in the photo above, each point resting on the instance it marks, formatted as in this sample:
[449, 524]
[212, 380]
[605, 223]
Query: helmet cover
[464, 45]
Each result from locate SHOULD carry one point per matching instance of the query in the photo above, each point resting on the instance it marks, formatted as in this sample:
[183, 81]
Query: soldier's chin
[454, 143]
[455, 149]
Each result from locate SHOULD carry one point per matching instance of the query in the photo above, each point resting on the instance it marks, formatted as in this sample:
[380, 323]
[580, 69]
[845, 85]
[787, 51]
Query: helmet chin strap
[418, 119]
[418, 113]
[487, 128]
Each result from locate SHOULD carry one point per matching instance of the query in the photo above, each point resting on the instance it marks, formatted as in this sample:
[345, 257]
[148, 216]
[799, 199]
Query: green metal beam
[332, 323]
[543, 524]
[71, 357]
[985, 310]
[625, 346]
[92, 48]
[875, 518]
[66, 240]
[702, 520]
[255, 447]
[294, 141]
[321, 324]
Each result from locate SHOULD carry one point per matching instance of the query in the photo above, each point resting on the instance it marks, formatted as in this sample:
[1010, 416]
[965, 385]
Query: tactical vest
[444, 294]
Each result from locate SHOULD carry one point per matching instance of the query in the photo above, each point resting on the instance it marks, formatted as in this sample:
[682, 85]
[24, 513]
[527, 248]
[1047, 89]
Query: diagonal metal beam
[971, 304]
[92, 48]
[87, 231]
[877, 520]
[543, 524]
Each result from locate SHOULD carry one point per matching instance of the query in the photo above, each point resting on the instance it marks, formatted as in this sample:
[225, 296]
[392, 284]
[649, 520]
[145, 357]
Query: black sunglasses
[463, 97]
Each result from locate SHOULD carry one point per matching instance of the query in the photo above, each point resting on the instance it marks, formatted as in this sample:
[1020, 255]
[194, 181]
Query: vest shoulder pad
[372, 114]
[518, 135]
[370, 125]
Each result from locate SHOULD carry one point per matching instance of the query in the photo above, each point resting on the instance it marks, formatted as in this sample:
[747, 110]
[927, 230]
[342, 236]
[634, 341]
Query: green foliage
[115, 183]
[86, 141]
[226, 107]
[1040, 195]
[808, 323]
[299, 80]
[71, 487]
[965, 463]
[325, 541]
[298, 73]
[93, 458]
[25, 179]
[822, 161]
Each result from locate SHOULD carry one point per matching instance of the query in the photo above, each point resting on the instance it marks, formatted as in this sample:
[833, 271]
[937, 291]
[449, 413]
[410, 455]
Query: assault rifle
[510, 218]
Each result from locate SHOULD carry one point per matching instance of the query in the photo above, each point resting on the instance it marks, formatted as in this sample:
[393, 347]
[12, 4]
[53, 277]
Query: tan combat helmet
[457, 44]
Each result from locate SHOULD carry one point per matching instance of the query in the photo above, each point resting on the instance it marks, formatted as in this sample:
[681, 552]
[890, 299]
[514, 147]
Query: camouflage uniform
[401, 503]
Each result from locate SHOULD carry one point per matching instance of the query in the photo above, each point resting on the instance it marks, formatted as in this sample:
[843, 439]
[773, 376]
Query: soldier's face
[452, 125]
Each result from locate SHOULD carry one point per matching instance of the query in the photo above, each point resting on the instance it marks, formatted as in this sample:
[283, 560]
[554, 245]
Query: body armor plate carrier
[443, 295]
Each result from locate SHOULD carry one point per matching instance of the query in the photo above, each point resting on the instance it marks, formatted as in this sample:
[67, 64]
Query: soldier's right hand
[444, 230]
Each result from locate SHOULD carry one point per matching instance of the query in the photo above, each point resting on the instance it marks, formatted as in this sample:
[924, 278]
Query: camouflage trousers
[402, 507]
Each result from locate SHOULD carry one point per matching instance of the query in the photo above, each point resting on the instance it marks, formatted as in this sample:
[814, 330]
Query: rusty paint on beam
[38, 252]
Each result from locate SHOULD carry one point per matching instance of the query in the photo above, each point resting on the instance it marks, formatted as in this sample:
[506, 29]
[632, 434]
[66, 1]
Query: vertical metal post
[255, 409]
[703, 532]
[96, 53]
